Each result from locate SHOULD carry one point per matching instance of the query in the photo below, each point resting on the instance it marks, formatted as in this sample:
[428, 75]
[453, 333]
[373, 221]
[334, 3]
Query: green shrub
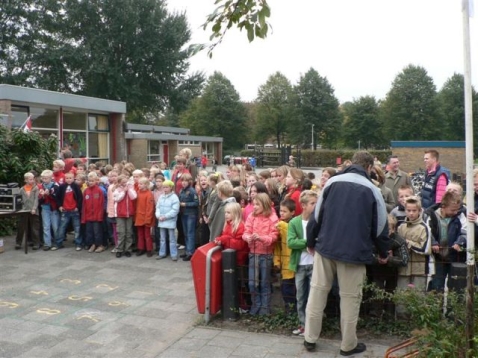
[322, 157]
[19, 153]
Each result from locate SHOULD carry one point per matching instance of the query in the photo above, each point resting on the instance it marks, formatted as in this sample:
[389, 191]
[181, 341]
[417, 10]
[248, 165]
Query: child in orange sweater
[144, 217]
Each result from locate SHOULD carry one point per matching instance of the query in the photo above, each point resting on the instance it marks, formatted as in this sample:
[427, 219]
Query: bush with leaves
[21, 152]
[439, 332]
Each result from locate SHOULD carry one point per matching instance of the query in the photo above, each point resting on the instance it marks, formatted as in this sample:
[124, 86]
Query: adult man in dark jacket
[436, 180]
[349, 219]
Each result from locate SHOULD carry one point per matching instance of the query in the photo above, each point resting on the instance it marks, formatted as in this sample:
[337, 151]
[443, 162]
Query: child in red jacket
[144, 217]
[93, 213]
[231, 238]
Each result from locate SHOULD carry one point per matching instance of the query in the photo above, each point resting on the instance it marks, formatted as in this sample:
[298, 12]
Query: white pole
[470, 204]
[313, 136]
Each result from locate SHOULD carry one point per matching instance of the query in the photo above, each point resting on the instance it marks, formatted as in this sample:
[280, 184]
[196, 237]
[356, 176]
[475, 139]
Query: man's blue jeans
[189, 227]
[65, 218]
[50, 219]
[260, 283]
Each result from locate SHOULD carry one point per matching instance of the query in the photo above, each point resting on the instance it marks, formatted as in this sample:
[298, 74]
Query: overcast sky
[359, 45]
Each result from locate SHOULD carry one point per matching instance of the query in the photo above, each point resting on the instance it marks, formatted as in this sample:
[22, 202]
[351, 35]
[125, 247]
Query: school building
[96, 129]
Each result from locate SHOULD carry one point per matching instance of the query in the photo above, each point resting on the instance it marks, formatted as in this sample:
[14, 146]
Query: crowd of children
[263, 216]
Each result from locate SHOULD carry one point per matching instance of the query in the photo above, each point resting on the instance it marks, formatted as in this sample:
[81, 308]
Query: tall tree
[218, 112]
[124, 50]
[362, 123]
[410, 109]
[316, 104]
[451, 98]
[274, 108]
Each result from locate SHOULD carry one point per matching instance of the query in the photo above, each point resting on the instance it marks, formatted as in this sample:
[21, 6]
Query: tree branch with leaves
[250, 15]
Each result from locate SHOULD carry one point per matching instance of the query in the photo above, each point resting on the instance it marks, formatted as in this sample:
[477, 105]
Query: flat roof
[147, 128]
[428, 144]
[66, 100]
[161, 136]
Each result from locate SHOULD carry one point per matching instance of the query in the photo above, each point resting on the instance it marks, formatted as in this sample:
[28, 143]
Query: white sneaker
[181, 247]
[298, 332]
[114, 251]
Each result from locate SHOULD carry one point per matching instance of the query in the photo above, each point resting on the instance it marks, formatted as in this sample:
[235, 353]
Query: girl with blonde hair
[261, 234]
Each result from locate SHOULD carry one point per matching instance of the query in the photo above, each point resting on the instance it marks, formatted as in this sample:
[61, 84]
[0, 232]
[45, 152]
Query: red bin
[198, 265]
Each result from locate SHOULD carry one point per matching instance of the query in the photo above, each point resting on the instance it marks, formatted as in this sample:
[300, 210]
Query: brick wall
[411, 159]
[138, 153]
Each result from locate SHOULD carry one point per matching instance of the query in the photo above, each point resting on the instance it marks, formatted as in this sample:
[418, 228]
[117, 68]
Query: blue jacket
[167, 206]
[456, 234]
[429, 189]
[349, 219]
[191, 199]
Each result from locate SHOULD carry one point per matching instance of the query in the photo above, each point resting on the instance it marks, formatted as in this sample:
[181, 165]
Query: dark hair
[289, 204]
[311, 176]
[307, 184]
[363, 158]
[260, 187]
[235, 182]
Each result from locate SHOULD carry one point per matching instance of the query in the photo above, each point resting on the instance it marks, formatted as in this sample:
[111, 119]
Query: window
[77, 143]
[189, 142]
[98, 138]
[44, 118]
[72, 120]
[97, 122]
[19, 115]
[154, 151]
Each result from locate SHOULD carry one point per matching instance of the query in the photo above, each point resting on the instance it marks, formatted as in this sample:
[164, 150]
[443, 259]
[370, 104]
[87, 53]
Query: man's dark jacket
[349, 219]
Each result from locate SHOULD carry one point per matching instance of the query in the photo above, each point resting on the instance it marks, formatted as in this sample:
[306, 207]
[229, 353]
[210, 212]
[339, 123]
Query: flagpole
[469, 328]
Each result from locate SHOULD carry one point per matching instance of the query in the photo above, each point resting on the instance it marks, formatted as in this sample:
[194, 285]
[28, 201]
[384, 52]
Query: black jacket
[77, 194]
[350, 218]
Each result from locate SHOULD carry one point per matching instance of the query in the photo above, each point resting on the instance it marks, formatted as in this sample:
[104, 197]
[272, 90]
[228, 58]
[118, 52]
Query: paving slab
[79, 304]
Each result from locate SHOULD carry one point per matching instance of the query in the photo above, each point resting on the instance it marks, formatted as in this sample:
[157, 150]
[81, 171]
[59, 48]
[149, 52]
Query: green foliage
[362, 123]
[323, 157]
[250, 15]
[437, 334]
[410, 110]
[315, 103]
[280, 320]
[274, 108]
[123, 50]
[21, 152]
[451, 99]
[217, 112]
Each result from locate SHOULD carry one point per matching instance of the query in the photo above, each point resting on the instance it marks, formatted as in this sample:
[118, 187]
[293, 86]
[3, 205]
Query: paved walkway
[76, 304]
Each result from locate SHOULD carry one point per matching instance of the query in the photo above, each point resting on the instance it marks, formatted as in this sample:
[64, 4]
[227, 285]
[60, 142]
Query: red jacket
[124, 202]
[145, 209]
[294, 194]
[59, 177]
[93, 204]
[177, 180]
[230, 240]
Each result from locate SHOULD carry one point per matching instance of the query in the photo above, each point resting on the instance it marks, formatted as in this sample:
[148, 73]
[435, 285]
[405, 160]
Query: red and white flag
[27, 126]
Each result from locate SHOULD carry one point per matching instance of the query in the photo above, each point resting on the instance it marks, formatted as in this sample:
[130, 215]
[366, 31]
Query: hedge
[321, 157]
